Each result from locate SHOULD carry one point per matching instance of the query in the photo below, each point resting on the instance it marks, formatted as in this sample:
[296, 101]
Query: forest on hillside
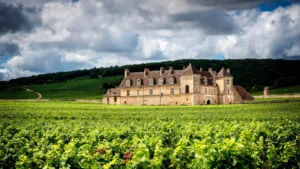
[253, 74]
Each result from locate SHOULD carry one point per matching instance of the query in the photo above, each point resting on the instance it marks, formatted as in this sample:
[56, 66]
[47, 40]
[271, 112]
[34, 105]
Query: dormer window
[161, 81]
[138, 82]
[171, 80]
[151, 81]
[127, 83]
[205, 80]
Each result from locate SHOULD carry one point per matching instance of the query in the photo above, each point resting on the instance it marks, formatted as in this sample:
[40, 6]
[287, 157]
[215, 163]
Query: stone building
[189, 86]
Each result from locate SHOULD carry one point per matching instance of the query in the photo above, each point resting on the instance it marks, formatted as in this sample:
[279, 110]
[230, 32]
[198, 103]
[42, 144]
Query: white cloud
[107, 33]
[270, 35]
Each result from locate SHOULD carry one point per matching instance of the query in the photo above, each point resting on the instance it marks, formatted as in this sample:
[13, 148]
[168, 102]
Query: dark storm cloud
[14, 18]
[237, 4]
[8, 49]
[212, 22]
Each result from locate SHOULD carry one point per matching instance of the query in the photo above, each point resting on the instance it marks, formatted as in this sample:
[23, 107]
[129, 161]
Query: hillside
[279, 91]
[252, 74]
[78, 88]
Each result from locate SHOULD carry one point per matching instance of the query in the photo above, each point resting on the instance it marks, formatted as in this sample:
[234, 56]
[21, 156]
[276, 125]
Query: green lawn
[280, 91]
[79, 88]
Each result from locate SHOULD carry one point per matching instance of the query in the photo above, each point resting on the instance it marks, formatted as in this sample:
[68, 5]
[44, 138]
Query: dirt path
[39, 94]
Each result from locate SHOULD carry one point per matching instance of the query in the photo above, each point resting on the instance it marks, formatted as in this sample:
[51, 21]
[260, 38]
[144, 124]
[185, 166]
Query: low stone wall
[279, 96]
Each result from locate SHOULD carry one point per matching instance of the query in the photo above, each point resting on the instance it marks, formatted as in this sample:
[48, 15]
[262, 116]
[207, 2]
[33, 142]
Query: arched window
[151, 81]
[187, 89]
[127, 83]
[205, 80]
[171, 80]
[138, 82]
[161, 81]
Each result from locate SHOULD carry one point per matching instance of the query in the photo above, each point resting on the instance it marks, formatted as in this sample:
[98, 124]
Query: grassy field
[88, 135]
[285, 90]
[79, 88]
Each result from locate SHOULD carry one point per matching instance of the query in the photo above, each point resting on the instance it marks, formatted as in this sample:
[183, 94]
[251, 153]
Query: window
[127, 83]
[228, 91]
[115, 99]
[205, 80]
[228, 81]
[138, 82]
[138, 93]
[150, 91]
[161, 81]
[151, 81]
[179, 90]
[214, 91]
[187, 89]
[205, 91]
[107, 100]
[128, 93]
[172, 91]
[196, 89]
[171, 80]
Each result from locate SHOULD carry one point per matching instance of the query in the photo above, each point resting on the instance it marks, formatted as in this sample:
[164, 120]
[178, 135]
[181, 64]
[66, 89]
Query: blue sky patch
[274, 5]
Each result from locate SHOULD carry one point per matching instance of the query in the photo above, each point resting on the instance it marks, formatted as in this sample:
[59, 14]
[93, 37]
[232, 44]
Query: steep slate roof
[189, 70]
[243, 93]
[113, 92]
[223, 73]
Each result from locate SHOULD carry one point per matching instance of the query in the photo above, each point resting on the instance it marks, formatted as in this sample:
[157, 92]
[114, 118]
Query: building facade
[189, 86]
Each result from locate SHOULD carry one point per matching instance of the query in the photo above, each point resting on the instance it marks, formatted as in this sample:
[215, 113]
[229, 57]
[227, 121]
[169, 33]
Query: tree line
[253, 74]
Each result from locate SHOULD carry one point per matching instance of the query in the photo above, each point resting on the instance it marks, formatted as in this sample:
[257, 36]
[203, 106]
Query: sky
[43, 36]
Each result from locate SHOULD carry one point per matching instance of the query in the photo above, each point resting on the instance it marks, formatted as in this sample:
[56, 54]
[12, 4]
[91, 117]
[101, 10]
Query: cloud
[65, 36]
[9, 49]
[14, 18]
[212, 22]
[271, 35]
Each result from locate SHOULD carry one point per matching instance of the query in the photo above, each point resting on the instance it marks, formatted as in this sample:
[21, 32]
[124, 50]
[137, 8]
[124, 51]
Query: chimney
[210, 71]
[126, 72]
[228, 70]
[146, 70]
[200, 69]
[161, 71]
[214, 73]
[171, 70]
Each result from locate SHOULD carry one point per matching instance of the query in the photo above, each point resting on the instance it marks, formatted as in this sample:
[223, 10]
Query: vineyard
[88, 135]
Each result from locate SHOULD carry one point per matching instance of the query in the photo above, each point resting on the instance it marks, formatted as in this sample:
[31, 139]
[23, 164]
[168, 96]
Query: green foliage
[246, 72]
[85, 135]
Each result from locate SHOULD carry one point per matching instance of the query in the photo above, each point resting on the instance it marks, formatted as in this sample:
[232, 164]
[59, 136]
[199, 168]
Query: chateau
[189, 86]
